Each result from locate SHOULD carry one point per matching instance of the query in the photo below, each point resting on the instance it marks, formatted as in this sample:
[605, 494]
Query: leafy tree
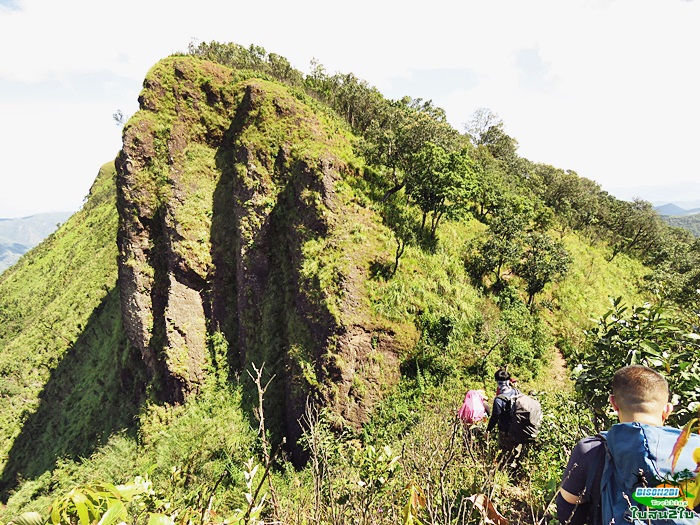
[499, 143]
[489, 189]
[635, 227]
[653, 335]
[526, 341]
[574, 199]
[544, 260]
[481, 121]
[281, 69]
[253, 58]
[401, 131]
[358, 103]
[382, 142]
[398, 216]
[439, 183]
[490, 134]
[586, 212]
[676, 266]
[504, 245]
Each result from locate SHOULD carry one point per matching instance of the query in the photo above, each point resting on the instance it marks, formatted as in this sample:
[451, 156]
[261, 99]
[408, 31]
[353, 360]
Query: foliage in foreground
[653, 335]
[440, 472]
[138, 502]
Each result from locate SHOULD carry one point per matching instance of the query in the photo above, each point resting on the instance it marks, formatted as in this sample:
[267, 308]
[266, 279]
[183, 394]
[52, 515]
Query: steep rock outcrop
[234, 218]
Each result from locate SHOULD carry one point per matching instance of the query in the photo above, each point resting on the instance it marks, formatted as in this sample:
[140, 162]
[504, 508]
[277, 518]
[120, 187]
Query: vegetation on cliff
[300, 258]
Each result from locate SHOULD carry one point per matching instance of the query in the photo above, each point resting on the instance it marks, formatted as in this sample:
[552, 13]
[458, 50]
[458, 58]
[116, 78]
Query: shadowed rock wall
[228, 212]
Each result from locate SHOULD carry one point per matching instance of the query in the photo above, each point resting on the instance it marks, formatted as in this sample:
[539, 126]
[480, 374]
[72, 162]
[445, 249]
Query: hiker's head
[503, 382]
[640, 394]
[502, 375]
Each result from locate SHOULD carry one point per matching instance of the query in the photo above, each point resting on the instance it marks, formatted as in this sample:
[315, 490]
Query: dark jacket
[500, 415]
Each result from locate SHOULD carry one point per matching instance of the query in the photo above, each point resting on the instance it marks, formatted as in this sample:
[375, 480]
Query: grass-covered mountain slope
[18, 236]
[377, 262]
[68, 379]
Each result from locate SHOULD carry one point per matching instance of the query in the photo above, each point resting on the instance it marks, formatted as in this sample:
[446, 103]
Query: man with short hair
[639, 395]
[500, 414]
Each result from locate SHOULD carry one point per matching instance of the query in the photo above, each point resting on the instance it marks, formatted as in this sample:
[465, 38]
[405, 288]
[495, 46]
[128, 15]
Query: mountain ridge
[19, 235]
[674, 210]
[243, 228]
[257, 192]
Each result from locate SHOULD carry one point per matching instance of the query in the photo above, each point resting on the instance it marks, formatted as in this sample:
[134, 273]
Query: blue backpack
[638, 484]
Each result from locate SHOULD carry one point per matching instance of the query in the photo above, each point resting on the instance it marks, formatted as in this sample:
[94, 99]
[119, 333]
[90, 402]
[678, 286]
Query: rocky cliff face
[234, 218]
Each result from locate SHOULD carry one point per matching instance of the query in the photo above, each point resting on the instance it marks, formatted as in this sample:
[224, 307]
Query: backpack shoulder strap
[596, 471]
[509, 397]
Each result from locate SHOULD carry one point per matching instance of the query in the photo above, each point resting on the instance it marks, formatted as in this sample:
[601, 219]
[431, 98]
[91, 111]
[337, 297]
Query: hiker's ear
[668, 408]
[611, 398]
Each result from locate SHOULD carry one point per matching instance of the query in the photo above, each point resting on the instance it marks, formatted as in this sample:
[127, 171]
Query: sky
[606, 88]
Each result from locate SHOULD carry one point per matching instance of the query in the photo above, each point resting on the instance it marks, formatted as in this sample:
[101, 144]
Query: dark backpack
[525, 417]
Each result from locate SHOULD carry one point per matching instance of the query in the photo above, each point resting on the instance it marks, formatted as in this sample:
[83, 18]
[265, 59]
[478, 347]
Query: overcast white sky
[607, 88]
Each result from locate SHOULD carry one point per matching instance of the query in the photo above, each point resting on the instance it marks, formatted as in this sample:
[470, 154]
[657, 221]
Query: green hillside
[369, 260]
[688, 222]
[65, 386]
[18, 236]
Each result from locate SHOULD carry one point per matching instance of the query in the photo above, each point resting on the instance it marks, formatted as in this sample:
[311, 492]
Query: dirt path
[557, 378]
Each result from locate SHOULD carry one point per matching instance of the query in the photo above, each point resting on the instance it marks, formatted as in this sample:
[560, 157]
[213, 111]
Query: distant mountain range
[685, 195]
[18, 236]
[675, 215]
[674, 210]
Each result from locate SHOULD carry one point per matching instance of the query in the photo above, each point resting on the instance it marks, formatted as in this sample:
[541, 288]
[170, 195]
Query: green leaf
[160, 519]
[55, 514]
[115, 514]
[91, 497]
[651, 347]
[29, 518]
[109, 493]
[79, 500]
[127, 492]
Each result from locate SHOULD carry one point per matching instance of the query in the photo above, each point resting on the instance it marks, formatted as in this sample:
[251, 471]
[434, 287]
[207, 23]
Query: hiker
[500, 415]
[518, 417]
[599, 488]
[474, 408]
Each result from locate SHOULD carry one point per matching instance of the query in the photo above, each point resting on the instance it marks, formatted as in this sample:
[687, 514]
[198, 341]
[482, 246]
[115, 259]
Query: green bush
[527, 343]
[653, 335]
